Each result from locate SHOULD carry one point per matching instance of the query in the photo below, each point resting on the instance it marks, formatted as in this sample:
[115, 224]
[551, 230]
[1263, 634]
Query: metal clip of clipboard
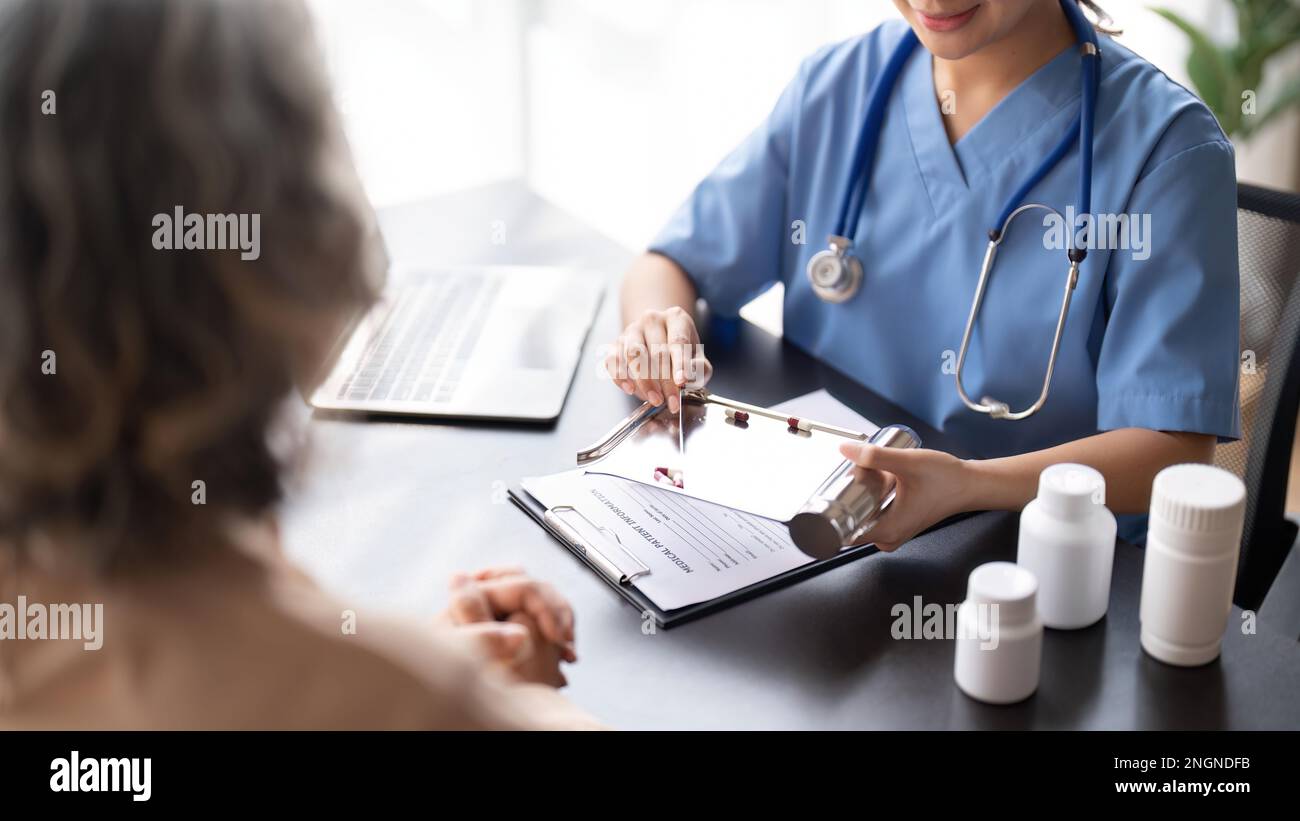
[607, 566]
[756, 460]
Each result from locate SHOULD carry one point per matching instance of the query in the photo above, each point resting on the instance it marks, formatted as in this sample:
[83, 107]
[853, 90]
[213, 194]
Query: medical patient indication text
[1105, 232]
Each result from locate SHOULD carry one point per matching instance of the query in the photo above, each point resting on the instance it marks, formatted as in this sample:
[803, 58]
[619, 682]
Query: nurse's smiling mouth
[946, 22]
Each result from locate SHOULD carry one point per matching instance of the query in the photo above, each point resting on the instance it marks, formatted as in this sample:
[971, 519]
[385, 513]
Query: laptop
[474, 342]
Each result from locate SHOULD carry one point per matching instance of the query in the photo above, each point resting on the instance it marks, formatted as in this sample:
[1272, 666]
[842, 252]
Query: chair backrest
[1268, 228]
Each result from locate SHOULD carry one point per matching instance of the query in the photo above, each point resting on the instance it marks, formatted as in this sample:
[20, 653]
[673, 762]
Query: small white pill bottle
[999, 635]
[1193, 541]
[1067, 540]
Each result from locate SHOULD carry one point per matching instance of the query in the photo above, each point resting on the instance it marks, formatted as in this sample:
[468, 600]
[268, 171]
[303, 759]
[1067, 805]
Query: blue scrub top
[1149, 343]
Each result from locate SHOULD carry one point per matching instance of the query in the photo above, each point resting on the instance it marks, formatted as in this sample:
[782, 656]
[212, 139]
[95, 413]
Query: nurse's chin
[953, 45]
[959, 41]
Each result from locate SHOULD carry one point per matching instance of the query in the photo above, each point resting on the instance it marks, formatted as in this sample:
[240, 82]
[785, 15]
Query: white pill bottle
[1193, 541]
[999, 635]
[1067, 540]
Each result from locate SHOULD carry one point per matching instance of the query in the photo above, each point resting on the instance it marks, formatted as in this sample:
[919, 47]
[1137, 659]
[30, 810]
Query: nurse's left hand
[931, 486]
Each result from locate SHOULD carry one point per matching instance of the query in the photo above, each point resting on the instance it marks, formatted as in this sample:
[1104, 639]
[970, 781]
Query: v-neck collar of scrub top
[950, 172]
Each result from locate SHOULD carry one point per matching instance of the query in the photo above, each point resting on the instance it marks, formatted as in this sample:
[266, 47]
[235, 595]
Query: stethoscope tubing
[864, 151]
[842, 287]
[1080, 132]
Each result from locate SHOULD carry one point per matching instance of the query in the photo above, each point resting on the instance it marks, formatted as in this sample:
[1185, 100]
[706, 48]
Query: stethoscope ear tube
[994, 408]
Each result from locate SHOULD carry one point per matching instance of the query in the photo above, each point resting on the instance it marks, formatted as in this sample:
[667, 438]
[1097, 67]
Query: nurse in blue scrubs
[1147, 370]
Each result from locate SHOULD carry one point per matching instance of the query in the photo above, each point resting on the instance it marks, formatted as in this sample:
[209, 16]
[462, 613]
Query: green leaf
[1272, 33]
[1247, 13]
[1276, 27]
[1210, 71]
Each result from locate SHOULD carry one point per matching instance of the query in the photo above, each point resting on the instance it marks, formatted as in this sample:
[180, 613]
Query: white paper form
[696, 551]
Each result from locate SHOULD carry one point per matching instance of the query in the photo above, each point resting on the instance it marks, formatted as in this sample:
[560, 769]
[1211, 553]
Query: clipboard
[600, 558]
[634, 449]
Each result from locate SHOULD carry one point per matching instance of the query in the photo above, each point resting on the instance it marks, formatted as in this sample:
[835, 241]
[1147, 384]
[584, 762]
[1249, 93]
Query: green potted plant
[1228, 76]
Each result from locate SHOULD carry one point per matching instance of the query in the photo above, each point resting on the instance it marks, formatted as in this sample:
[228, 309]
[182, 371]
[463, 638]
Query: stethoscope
[836, 273]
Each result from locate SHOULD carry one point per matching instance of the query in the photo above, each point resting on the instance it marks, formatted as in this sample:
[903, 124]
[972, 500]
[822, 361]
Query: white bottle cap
[1198, 499]
[1070, 491]
[1008, 585]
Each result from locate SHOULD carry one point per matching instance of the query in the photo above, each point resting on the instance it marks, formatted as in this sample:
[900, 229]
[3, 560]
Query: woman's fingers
[659, 365]
[890, 529]
[682, 339]
[929, 486]
[640, 364]
[501, 593]
[657, 356]
[554, 600]
[539, 600]
[542, 666]
[698, 371]
[891, 460]
[468, 603]
[616, 367]
[500, 641]
[895, 525]
[499, 572]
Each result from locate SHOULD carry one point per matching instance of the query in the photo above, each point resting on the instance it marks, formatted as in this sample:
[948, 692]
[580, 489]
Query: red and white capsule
[664, 476]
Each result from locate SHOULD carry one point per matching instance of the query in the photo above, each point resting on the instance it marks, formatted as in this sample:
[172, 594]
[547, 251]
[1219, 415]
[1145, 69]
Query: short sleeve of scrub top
[1152, 336]
[730, 234]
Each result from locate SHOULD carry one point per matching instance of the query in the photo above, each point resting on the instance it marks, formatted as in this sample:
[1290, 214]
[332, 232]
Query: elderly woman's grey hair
[128, 373]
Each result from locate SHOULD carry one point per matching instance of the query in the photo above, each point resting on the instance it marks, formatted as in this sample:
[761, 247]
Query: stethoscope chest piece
[835, 274]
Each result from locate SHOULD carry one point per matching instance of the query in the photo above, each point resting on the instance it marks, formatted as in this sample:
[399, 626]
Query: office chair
[1268, 225]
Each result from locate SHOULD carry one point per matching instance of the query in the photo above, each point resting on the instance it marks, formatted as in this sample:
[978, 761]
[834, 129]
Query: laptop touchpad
[545, 342]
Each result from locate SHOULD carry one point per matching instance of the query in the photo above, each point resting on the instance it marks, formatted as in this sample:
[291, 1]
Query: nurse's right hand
[658, 354]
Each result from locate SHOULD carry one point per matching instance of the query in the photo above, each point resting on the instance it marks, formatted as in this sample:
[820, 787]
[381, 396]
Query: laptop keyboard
[421, 348]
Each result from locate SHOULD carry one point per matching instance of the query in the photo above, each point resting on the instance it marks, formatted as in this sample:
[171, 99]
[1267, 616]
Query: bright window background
[431, 91]
[611, 108]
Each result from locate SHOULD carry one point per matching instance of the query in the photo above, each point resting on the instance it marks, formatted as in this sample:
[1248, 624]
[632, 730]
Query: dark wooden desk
[390, 509]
